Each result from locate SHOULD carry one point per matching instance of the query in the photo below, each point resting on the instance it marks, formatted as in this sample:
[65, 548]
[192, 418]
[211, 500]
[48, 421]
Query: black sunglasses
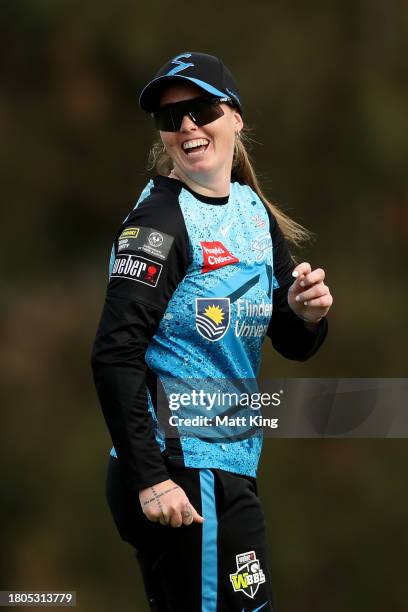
[169, 117]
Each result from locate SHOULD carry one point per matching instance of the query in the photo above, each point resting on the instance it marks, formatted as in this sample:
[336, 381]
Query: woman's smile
[195, 147]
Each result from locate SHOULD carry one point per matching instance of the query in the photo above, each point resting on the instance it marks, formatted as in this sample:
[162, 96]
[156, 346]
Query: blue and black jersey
[196, 283]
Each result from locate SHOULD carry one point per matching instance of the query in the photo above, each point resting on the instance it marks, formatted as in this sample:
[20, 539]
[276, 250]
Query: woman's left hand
[309, 297]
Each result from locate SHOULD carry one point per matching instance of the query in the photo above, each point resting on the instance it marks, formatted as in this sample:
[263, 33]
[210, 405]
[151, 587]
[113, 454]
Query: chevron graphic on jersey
[240, 291]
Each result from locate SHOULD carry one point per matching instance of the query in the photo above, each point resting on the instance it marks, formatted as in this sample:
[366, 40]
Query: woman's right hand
[168, 504]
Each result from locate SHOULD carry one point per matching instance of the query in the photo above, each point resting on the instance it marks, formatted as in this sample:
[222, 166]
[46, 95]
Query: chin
[201, 165]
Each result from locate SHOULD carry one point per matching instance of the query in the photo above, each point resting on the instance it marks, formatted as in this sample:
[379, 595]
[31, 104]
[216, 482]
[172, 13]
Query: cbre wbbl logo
[249, 574]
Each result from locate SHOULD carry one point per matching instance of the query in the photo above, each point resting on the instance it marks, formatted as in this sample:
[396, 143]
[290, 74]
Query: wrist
[308, 321]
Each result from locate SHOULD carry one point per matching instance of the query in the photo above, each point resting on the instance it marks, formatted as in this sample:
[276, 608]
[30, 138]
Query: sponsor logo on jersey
[224, 230]
[147, 239]
[212, 317]
[155, 239]
[252, 318]
[129, 232]
[249, 574]
[258, 221]
[261, 245]
[137, 268]
[216, 255]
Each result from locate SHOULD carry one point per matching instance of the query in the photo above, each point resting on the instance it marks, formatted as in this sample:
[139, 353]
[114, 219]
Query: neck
[217, 187]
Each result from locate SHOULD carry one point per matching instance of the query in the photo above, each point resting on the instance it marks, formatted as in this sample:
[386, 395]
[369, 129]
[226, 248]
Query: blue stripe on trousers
[209, 553]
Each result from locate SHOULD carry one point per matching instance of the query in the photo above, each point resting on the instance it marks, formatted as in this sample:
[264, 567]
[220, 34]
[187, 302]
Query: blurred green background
[325, 89]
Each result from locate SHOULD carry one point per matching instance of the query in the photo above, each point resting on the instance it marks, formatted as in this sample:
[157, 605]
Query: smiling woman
[200, 274]
[202, 148]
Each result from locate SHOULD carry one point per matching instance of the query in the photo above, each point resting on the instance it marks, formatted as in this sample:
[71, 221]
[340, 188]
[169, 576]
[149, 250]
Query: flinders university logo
[249, 575]
[212, 317]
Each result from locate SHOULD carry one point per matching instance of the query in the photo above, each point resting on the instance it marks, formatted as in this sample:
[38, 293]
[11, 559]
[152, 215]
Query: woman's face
[215, 160]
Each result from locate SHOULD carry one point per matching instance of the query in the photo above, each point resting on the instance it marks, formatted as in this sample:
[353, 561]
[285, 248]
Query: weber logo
[137, 268]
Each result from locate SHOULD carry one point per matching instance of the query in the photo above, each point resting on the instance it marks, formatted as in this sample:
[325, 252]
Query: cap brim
[149, 98]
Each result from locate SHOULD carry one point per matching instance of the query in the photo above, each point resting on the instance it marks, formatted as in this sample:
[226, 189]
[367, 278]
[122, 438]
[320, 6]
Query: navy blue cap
[201, 69]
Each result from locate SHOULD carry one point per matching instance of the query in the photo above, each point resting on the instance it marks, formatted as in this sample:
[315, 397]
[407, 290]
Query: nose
[187, 124]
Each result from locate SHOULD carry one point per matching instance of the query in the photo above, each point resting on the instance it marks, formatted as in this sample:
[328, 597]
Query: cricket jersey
[195, 285]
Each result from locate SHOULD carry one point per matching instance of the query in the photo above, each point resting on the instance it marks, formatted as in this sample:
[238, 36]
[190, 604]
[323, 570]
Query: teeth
[190, 144]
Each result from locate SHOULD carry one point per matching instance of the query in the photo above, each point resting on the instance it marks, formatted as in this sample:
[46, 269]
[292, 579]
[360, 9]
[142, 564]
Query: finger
[301, 269]
[163, 519]
[313, 277]
[187, 515]
[197, 518]
[314, 292]
[153, 517]
[324, 301]
[176, 519]
[299, 274]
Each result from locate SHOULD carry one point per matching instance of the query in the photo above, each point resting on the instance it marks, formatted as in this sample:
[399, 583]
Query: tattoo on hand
[187, 513]
[157, 495]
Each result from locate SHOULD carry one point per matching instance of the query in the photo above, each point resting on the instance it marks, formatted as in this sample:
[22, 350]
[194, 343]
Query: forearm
[119, 371]
[294, 338]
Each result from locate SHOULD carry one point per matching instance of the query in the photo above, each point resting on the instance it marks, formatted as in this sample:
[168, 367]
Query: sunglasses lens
[206, 111]
[202, 111]
[164, 121]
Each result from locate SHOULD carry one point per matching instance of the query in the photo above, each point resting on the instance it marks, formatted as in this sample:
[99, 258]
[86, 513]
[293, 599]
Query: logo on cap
[179, 65]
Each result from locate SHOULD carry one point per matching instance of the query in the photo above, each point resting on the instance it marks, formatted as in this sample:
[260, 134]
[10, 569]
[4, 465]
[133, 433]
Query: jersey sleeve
[151, 255]
[288, 332]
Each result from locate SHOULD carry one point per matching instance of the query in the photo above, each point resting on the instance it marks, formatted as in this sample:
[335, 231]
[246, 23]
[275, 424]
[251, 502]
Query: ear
[238, 122]
[162, 141]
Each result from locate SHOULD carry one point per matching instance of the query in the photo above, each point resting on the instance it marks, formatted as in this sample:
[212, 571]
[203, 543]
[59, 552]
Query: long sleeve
[151, 257]
[288, 332]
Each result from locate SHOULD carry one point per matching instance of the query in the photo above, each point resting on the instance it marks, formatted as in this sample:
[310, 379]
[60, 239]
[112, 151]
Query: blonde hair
[243, 172]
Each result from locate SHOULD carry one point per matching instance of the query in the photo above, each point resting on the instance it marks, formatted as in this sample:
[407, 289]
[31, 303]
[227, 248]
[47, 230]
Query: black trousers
[219, 566]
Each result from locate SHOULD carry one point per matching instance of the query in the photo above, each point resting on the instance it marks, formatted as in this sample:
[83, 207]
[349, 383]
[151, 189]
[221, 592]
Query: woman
[195, 269]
